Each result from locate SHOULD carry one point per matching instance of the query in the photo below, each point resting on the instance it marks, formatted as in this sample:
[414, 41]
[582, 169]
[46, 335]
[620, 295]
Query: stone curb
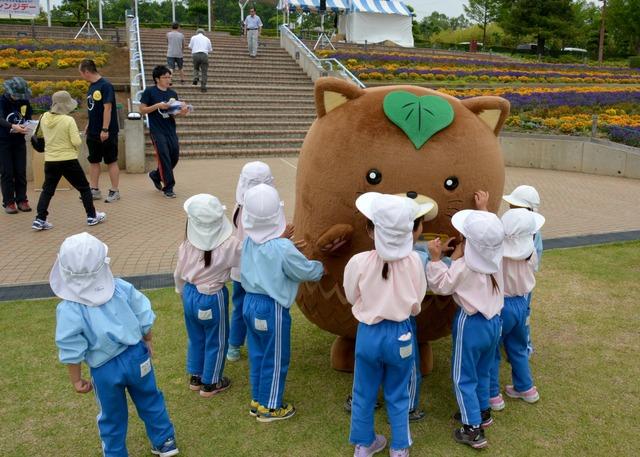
[161, 280]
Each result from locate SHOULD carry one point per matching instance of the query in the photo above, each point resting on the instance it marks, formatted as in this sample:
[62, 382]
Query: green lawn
[585, 328]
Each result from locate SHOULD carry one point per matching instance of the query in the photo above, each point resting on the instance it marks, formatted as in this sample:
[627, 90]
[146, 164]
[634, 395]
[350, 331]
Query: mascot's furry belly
[396, 140]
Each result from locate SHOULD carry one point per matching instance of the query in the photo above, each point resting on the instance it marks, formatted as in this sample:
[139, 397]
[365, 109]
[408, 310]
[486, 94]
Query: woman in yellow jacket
[62, 146]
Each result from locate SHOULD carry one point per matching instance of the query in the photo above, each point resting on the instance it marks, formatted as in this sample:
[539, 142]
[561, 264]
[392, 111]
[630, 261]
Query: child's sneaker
[100, 217]
[530, 396]
[209, 390]
[365, 451]
[472, 436]
[399, 452]
[166, 449]
[233, 353]
[253, 408]
[39, 224]
[347, 404]
[485, 416]
[416, 415]
[497, 403]
[195, 383]
[269, 415]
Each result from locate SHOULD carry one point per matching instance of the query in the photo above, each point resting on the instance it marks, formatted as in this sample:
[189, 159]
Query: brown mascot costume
[396, 140]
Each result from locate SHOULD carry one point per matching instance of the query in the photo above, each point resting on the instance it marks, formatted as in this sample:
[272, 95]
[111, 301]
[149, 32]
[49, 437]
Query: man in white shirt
[200, 47]
[252, 28]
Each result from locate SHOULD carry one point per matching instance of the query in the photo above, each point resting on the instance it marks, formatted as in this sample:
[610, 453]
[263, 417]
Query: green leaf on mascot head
[419, 117]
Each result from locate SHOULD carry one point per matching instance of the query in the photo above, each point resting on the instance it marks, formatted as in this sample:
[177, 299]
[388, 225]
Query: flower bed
[41, 92]
[570, 110]
[42, 54]
[442, 67]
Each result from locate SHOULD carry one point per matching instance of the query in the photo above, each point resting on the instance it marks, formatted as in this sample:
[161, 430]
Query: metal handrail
[321, 64]
[137, 56]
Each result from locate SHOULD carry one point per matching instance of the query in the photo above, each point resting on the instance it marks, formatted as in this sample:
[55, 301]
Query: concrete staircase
[258, 107]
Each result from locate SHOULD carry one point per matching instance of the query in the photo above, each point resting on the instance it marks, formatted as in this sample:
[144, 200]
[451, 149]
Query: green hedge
[634, 62]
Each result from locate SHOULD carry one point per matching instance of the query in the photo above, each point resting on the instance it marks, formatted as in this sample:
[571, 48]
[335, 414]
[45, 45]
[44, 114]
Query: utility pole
[601, 43]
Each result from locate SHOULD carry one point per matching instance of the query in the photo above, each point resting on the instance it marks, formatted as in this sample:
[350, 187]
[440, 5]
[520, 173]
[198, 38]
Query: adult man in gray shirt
[175, 42]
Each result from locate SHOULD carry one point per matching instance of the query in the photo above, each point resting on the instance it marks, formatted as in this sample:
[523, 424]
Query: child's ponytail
[207, 258]
[385, 271]
[494, 284]
[235, 216]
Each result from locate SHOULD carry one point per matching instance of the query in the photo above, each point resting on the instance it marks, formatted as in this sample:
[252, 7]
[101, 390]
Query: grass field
[585, 328]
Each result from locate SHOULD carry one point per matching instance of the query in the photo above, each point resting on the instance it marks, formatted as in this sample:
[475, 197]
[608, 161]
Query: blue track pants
[514, 339]
[475, 340]
[132, 371]
[238, 327]
[206, 318]
[384, 357]
[269, 338]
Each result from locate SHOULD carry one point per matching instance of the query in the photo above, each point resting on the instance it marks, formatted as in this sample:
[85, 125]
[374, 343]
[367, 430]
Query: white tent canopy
[373, 21]
[376, 21]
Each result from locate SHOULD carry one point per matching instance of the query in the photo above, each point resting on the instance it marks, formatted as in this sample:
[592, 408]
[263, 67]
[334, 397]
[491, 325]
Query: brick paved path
[144, 229]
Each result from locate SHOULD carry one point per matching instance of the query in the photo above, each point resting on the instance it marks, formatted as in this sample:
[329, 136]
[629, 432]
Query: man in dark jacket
[15, 111]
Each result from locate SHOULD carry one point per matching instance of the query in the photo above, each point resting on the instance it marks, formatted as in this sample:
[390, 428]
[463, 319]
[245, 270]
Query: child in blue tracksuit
[385, 287]
[252, 174]
[106, 323]
[271, 270]
[205, 260]
[519, 267]
[474, 280]
[527, 197]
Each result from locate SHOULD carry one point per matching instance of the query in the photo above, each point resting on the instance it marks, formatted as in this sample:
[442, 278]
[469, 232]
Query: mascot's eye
[451, 183]
[374, 176]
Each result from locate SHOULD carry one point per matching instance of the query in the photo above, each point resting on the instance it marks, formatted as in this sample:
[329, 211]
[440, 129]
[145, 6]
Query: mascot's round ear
[331, 93]
[493, 111]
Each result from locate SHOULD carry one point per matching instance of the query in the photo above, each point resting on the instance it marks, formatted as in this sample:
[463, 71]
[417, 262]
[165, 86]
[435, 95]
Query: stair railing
[310, 63]
[136, 64]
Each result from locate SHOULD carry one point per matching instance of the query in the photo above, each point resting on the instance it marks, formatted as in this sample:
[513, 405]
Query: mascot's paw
[335, 238]
[342, 354]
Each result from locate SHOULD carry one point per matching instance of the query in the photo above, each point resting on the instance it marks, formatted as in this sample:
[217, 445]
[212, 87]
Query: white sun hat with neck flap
[252, 174]
[524, 197]
[484, 233]
[393, 218]
[81, 272]
[207, 226]
[520, 225]
[263, 216]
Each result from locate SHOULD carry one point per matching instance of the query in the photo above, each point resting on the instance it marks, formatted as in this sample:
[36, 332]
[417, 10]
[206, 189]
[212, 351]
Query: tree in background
[437, 22]
[483, 12]
[623, 23]
[71, 9]
[543, 19]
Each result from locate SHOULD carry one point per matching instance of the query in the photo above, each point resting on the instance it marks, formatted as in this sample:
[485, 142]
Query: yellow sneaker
[270, 415]
[253, 408]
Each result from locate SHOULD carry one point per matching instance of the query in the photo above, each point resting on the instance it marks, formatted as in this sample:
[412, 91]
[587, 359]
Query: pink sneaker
[496, 403]
[366, 451]
[530, 396]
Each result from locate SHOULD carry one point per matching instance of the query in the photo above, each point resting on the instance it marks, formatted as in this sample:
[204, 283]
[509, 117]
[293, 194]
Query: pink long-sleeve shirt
[239, 234]
[208, 280]
[519, 275]
[471, 290]
[375, 299]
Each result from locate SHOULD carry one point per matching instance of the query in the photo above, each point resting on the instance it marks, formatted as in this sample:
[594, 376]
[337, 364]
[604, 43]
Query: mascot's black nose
[412, 194]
